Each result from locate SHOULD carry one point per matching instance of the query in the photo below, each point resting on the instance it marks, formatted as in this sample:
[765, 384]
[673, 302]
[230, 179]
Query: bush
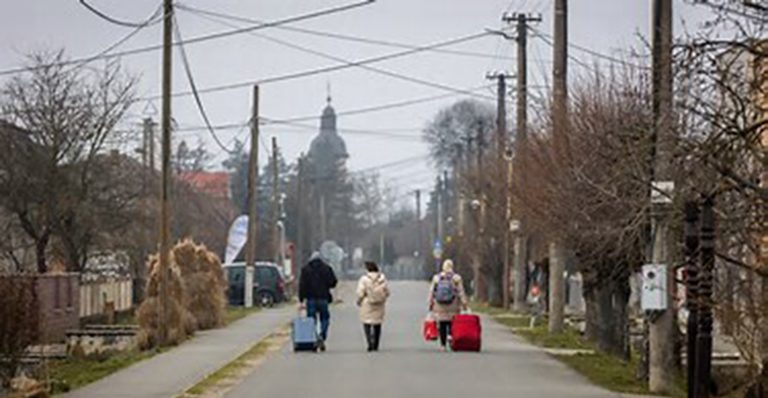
[19, 322]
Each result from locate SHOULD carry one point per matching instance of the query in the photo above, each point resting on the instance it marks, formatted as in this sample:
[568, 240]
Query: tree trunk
[40, 248]
[612, 326]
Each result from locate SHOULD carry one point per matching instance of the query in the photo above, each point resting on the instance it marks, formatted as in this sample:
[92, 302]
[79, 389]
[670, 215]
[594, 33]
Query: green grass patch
[615, 374]
[236, 313]
[72, 373]
[604, 370]
[516, 322]
[568, 339]
[231, 372]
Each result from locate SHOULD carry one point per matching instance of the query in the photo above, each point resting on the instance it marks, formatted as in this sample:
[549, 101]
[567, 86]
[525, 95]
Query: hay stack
[180, 323]
[204, 285]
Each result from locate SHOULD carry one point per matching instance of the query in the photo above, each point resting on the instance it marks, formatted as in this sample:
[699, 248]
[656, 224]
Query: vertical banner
[238, 235]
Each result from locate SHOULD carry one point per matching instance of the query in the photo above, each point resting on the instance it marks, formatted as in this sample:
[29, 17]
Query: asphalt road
[407, 366]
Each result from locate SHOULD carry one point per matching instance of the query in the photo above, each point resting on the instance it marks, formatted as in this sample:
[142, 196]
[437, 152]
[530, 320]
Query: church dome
[328, 145]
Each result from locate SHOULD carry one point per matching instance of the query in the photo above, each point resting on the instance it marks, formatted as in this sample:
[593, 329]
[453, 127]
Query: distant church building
[329, 185]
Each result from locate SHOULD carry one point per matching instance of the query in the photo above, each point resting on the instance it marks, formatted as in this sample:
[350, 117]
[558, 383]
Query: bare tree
[65, 118]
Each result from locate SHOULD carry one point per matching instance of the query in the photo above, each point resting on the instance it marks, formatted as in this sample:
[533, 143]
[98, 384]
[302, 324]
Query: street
[407, 366]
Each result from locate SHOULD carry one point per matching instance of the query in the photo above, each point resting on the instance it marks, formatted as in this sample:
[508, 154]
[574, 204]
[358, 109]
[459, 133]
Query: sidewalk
[170, 373]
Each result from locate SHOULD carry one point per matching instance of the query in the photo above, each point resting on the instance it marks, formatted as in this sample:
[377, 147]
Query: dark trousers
[372, 335]
[318, 308]
[445, 330]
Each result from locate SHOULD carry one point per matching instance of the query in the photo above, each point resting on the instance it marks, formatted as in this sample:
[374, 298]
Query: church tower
[330, 187]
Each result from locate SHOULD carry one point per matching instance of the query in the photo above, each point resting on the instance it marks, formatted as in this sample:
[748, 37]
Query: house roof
[215, 184]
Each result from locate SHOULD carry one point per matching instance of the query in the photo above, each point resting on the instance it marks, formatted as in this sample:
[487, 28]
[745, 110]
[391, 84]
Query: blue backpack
[445, 291]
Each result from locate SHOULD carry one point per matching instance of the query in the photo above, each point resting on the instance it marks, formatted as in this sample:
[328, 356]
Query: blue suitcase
[304, 334]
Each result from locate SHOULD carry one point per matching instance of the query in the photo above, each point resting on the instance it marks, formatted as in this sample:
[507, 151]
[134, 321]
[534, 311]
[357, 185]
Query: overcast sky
[374, 138]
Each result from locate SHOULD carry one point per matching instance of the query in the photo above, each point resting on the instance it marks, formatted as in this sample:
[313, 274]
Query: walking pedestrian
[315, 283]
[446, 299]
[372, 294]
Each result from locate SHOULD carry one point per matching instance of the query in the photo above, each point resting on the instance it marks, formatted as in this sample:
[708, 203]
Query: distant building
[330, 191]
[214, 184]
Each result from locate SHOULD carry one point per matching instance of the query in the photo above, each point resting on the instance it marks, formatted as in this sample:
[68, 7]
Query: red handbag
[430, 329]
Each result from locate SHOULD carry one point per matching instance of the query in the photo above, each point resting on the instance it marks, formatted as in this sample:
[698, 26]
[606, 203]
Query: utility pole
[253, 176]
[559, 130]
[276, 249]
[704, 336]
[521, 143]
[439, 223]
[691, 294]
[164, 265]
[502, 145]
[381, 249]
[661, 330]
[299, 252]
[481, 288]
[323, 225]
[418, 224]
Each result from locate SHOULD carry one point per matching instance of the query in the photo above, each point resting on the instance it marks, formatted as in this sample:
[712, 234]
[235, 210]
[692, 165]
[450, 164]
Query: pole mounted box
[654, 288]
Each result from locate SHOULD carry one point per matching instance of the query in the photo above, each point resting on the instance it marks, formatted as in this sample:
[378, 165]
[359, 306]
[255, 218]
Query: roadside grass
[604, 370]
[72, 373]
[218, 382]
[237, 313]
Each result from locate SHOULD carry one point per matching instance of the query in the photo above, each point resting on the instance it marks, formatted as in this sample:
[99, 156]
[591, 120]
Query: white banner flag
[238, 235]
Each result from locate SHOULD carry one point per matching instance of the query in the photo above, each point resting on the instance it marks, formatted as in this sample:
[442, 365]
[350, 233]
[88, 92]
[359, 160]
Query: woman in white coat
[372, 294]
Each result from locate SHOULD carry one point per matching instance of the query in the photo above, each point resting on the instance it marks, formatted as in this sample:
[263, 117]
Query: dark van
[268, 284]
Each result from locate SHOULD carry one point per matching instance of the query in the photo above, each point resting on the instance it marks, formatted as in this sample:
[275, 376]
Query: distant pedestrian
[372, 295]
[446, 299]
[315, 283]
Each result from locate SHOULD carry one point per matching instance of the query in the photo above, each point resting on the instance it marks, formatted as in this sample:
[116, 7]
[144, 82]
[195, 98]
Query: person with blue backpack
[446, 299]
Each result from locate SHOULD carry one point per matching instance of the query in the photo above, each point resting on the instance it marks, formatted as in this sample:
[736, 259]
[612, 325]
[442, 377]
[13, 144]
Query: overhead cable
[210, 36]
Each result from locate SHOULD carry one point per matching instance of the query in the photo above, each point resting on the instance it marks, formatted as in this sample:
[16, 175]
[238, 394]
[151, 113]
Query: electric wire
[339, 36]
[116, 21]
[208, 37]
[80, 62]
[193, 86]
[345, 64]
[547, 38]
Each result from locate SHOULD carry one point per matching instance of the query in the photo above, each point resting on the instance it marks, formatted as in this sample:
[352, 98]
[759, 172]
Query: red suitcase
[465, 332]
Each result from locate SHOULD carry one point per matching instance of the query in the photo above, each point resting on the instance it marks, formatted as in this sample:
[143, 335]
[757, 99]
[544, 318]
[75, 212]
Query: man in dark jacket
[315, 283]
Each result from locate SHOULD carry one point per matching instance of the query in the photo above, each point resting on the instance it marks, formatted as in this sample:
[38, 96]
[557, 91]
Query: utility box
[654, 291]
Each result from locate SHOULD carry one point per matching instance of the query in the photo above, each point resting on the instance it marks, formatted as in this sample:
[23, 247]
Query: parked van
[268, 284]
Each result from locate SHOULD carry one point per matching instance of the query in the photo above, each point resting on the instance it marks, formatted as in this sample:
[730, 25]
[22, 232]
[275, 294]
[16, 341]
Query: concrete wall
[59, 301]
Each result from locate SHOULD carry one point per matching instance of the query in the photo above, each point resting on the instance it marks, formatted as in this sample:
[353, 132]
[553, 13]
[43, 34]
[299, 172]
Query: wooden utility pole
[253, 176]
[521, 143]
[703, 350]
[502, 145]
[559, 131]
[481, 288]
[419, 225]
[165, 191]
[300, 233]
[275, 202]
[661, 330]
[691, 233]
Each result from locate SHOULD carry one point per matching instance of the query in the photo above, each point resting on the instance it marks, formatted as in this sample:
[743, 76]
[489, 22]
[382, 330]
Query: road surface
[407, 366]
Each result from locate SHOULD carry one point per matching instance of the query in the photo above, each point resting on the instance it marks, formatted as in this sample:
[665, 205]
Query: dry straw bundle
[196, 297]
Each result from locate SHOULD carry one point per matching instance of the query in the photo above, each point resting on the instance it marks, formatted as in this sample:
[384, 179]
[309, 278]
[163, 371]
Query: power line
[344, 64]
[79, 63]
[338, 36]
[207, 37]
[116, 21]
[547, 38]
[190, 78]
